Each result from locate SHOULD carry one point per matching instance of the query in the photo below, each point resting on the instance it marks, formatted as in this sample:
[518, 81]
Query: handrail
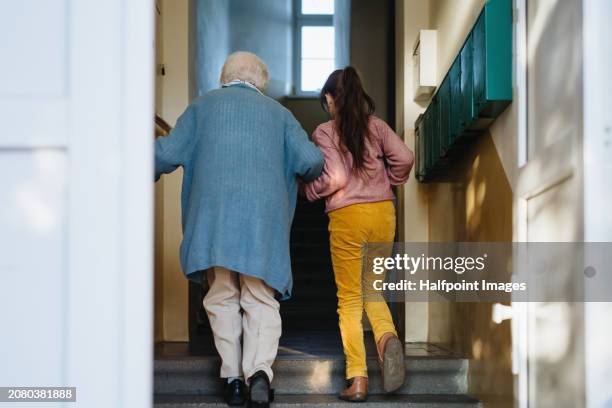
[159, 121]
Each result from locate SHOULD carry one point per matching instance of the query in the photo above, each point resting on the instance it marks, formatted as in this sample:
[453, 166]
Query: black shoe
[235, 393]
[260, 394]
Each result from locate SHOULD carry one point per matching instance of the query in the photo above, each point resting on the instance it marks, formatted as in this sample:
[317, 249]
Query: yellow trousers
[350, 228]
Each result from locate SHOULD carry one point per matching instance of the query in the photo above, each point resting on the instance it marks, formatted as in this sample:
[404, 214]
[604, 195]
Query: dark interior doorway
[313, 305]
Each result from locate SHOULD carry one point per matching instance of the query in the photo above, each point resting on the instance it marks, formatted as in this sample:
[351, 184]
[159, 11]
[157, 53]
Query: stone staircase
[313, 378]
[314, 301]
[309, 370]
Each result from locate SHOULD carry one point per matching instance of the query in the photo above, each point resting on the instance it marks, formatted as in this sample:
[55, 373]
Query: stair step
[304, 374]
[310, 295]
[328, 401]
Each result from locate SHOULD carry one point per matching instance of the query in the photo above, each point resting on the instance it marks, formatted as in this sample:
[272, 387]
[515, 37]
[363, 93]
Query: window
[317, 7]
[314, 56]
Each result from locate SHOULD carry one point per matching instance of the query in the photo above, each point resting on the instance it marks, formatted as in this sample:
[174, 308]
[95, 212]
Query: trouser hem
[356, 372]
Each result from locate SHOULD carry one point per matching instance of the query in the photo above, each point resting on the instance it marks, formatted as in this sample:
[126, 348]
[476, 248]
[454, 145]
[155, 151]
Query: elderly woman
[242, 154]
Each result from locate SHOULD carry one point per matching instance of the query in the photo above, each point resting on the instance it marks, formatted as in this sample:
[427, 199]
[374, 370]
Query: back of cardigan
[242, 154]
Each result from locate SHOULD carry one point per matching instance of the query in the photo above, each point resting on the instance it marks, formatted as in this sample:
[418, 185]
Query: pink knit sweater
[388, 163]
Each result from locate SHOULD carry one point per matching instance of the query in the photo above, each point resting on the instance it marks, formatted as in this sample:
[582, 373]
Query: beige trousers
[242, 306]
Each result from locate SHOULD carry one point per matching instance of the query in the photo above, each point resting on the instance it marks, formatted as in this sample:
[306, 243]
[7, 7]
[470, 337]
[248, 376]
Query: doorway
[312, 309]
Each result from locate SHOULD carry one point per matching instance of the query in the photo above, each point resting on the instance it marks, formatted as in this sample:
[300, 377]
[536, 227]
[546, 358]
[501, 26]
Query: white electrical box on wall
[424, 59]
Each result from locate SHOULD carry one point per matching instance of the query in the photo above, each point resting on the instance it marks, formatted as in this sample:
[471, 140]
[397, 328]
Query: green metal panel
[444, 103]
[424, 144]
[498, 27]
[479, 66]
[427, 140]
[419, 148]
[475, 91]
[455, 95]
[423, 141]
[492, 37]
[434, 133]
[467, 84]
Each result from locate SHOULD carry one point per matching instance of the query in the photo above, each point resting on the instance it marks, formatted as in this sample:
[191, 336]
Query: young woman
[363, 159]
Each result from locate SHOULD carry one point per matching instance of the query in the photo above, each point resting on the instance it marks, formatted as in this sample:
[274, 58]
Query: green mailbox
[432, 135]
[492, 61]
[427, 142]
[467, 84]
[419, 148]
[444, 115]
[455, 95]
[477, 88]
[422, 147]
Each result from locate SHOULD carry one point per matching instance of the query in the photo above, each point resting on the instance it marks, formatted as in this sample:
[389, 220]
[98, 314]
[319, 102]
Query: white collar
[240, 82]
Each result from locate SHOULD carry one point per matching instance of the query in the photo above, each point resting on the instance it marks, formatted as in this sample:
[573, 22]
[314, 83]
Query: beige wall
[475, 206]
[370, 50]
[307, 111]
[159, 194]
[171, 296]
[411, 16]
[454, 20]
[492, 198]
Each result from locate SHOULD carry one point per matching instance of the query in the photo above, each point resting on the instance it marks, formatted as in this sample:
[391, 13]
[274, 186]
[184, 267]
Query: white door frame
[110, 334]
[592, 165]
[76, 151]
[597, 40]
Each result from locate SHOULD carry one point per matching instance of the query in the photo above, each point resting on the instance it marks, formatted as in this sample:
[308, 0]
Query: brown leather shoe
[391, 360]
[357, 391]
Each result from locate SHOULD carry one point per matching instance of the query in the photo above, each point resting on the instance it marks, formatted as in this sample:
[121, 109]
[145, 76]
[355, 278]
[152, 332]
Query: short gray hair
[245, 66]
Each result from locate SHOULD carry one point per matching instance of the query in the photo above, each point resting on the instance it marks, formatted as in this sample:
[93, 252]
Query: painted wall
[263, 27]
[307, 111]
[212, 22]
[475, 205]
[411, 16]
[480, 204]
[372, 51]
[159, 193]
[454, 20]
[492, 198]
[173, 95]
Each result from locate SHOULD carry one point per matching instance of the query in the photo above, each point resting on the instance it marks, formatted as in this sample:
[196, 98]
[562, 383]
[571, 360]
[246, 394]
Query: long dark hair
[353, 107]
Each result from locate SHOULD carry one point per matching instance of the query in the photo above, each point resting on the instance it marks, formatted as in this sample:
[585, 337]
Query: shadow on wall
[475, 206]
[307, 111]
